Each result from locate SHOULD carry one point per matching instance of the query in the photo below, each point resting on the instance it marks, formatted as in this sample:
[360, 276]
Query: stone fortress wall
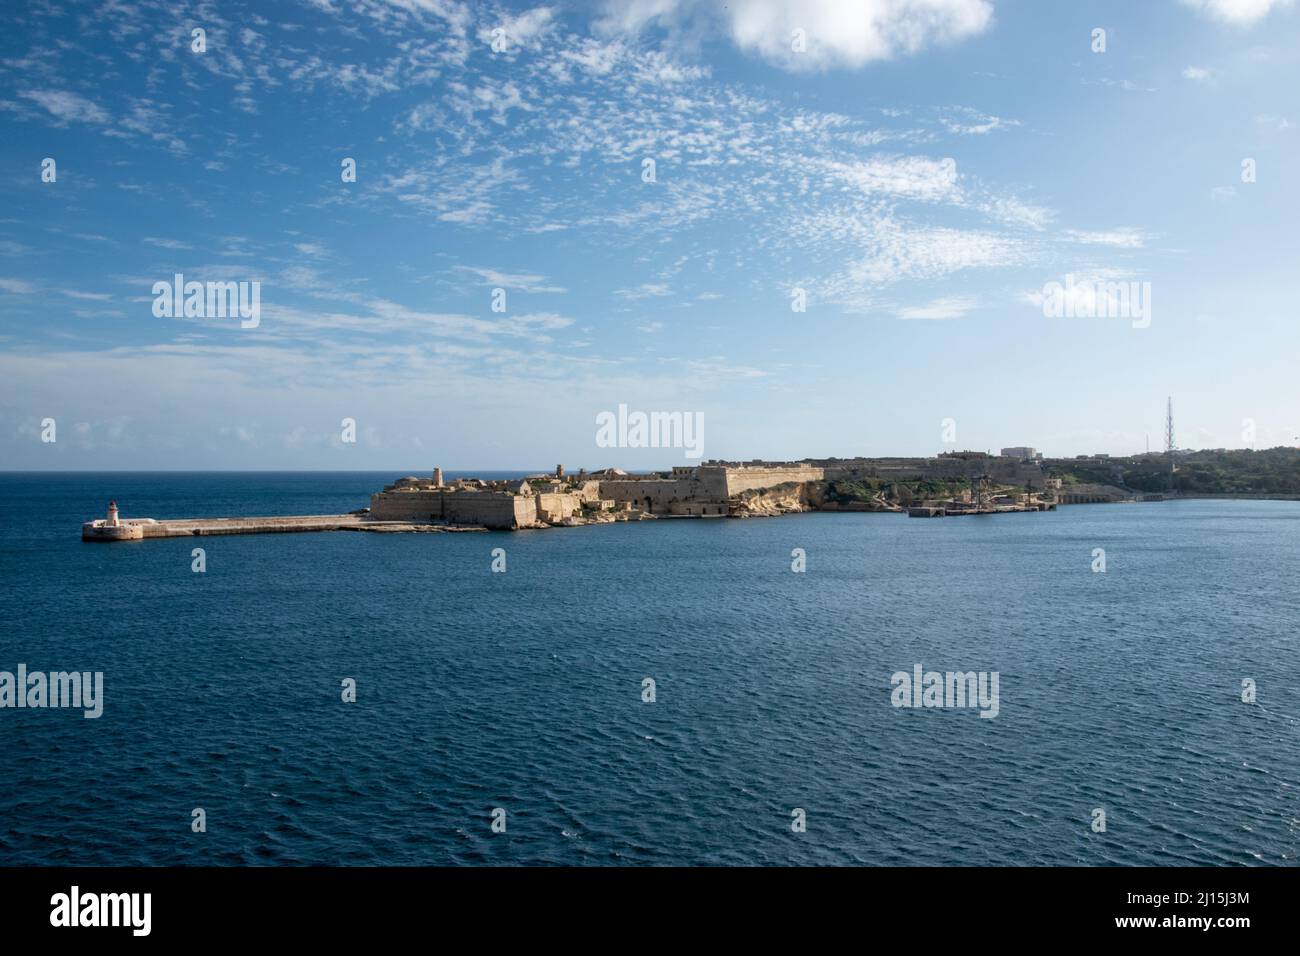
[655, 495]
[753, 476]
[489, 509]
[704, 490]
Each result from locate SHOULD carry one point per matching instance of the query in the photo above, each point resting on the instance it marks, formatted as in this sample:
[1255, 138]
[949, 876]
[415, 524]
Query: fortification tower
[437, 477]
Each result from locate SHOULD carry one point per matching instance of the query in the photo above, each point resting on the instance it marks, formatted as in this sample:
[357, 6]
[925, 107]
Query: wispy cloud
[524, 282]
[832, 33]
[950, 307]
[67, 107]
[1123, 238]
[175, 244]
[647, 290]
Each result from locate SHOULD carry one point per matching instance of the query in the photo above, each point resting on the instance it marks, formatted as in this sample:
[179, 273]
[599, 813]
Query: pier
[952, 509]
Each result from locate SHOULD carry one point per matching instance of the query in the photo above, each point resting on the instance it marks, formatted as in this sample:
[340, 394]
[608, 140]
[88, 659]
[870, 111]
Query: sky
[646, 191]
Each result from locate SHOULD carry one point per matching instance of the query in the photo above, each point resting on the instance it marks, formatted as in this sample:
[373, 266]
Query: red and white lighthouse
[112, 521]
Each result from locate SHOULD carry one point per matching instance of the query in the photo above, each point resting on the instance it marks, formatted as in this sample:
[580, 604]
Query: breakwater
[130, 529]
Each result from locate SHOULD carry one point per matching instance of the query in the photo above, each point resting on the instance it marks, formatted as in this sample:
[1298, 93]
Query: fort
[949, 484]
[709, 490]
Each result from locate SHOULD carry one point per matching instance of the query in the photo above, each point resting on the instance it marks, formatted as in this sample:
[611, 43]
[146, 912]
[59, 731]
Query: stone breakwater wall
[139, 529]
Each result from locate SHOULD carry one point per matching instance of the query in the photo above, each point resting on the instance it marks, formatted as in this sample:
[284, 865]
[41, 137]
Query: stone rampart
[489, 509]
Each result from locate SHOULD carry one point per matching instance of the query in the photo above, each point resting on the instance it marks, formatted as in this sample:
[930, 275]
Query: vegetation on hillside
[1270, 471]
[848, 490]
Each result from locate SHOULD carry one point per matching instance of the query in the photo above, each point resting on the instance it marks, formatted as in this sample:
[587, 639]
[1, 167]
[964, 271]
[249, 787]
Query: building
[1021, 451]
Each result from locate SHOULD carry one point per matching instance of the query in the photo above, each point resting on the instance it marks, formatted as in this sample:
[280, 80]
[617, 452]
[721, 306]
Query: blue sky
[922, 170]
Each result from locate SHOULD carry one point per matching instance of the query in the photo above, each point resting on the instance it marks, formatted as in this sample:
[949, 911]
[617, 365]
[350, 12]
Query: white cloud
[914, 177]
[1013, 212]
[459, 192]
[629, 16]
[1088, 292]
[67, 106]
[489, 96]
[1275, 123]
[522, 31]
[646, 290]
[1196, 73]
[898, 252]
[949, 307]
[838, 33]
[534, 323]
[16, 287]
[524, 282]
[1122, 238]
[167, 243]
[1240, 12]
[969, 122]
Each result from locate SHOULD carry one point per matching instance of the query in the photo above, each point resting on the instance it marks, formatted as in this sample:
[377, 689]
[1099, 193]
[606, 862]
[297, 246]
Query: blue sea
[1119, 691]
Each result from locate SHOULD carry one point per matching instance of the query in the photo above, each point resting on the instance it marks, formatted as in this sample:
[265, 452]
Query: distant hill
[1269, 471]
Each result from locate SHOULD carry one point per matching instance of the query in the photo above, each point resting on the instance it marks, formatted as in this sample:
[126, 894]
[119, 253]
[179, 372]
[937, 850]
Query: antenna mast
[1170, 445]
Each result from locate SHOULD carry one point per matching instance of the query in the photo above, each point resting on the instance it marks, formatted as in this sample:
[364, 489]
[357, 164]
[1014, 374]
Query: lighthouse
[113, 528]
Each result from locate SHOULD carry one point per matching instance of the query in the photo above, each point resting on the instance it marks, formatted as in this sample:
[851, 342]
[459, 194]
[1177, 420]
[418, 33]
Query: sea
[668, 692]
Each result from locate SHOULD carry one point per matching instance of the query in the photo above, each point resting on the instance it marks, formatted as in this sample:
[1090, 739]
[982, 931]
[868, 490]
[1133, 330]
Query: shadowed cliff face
[766, 502]
[787, 498]
[794, 497]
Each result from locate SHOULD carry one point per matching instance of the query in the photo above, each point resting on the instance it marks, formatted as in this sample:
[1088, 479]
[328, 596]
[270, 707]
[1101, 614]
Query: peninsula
[949, 484]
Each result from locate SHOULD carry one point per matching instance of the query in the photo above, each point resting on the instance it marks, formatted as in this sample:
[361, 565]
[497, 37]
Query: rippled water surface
[522, 690]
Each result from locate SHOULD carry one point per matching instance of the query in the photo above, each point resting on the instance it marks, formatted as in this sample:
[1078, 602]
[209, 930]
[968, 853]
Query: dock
[925, 512]
[953, 509]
